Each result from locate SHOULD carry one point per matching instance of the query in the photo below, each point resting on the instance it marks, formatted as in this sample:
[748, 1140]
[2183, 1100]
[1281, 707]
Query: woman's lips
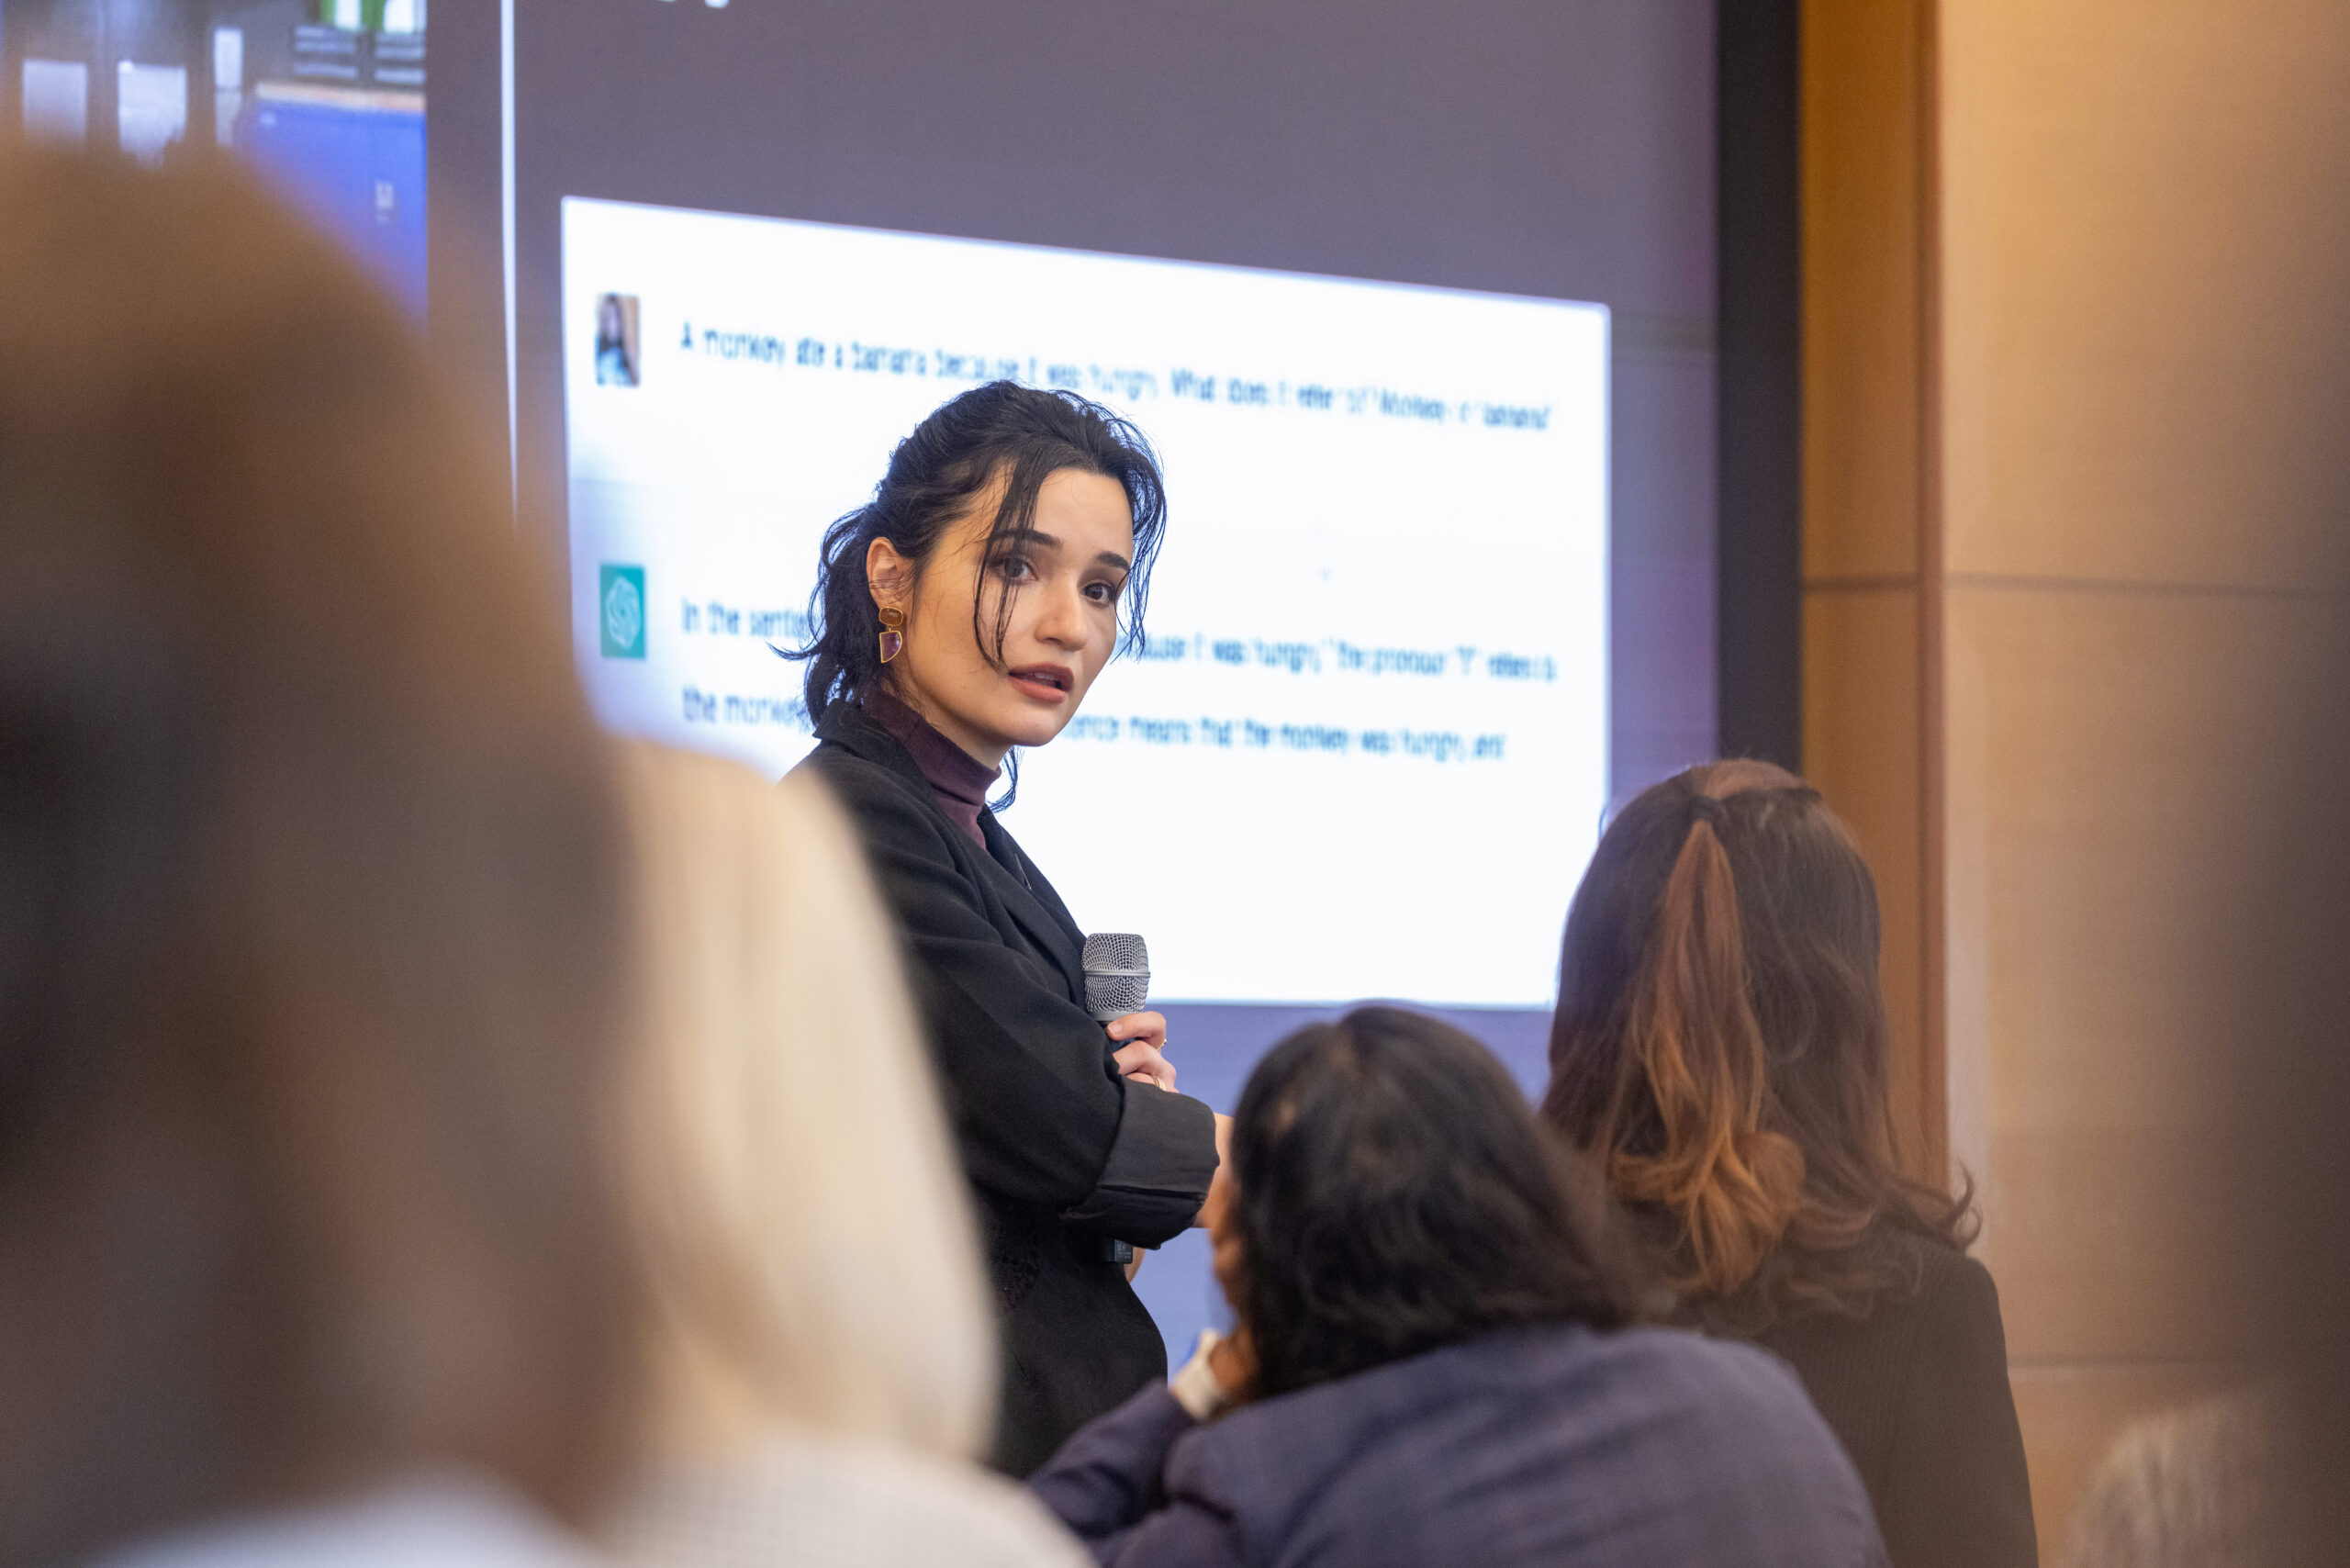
[1045, 683]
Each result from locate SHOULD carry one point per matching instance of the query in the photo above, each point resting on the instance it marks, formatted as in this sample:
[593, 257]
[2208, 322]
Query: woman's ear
[889, 576]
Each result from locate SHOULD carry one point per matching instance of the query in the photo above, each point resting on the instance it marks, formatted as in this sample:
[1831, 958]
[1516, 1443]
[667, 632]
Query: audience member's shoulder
[843, 770]
[1957, 1299]
[812, 1502]
[1731, 1371]
[1931, 1259]
[1952, 1274]
[1739, 1417]
[1929, 1276]
[1674, 1368]
[1739, 1404]
[884, 806]
[1947, 1282]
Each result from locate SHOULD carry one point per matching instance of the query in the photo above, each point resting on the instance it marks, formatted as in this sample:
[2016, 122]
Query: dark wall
[1759, 645]
[1567, 148]
[1556, 147]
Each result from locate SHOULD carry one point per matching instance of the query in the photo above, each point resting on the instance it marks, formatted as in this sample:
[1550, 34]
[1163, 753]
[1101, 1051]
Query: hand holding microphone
[1117, 980]
[1141, 1056]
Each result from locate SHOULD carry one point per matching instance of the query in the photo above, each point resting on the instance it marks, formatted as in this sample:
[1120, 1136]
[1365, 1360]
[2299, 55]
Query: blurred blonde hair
[785, 1159]
[2186, 1488]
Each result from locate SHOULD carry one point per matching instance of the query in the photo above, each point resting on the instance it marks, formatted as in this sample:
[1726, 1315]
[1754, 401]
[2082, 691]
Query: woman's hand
[1142, 1055]
[1233, 1361]
[1214, 1212]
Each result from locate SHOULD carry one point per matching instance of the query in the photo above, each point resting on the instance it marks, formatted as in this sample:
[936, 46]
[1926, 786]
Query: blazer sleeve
[1957, 1494]
[1041, 1116]
[1105, 1484]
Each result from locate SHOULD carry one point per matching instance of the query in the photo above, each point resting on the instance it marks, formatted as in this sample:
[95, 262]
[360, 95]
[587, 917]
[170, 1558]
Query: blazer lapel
[1026, 896]
[849, 729]
[1033, 906]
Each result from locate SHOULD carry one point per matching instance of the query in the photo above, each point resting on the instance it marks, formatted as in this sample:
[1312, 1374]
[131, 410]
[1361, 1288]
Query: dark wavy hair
[1720, 1046]
[1396, 1195]
[1002, 433]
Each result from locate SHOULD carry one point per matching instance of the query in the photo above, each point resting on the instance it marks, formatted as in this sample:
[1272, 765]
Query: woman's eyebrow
[1044, 541]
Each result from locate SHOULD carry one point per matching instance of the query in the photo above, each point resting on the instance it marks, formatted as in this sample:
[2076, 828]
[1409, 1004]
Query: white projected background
[1366, 752]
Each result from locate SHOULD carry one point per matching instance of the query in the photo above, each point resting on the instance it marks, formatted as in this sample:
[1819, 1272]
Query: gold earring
[893, 633]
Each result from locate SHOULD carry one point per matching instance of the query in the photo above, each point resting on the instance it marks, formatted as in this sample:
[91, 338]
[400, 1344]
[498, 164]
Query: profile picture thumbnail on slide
[616, 342]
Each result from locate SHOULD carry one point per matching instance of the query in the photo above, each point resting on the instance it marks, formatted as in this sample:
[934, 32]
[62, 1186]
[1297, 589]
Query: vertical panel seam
[1932, 752]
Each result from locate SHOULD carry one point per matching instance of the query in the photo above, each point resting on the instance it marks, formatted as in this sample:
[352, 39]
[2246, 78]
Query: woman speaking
[964, 611]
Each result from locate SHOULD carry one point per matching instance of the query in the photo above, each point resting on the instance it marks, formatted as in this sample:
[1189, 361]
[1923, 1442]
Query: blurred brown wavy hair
[314, 939]
[1719, 1046]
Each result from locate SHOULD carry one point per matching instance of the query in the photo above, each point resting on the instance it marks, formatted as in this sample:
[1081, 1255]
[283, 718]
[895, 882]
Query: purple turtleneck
[958, 781]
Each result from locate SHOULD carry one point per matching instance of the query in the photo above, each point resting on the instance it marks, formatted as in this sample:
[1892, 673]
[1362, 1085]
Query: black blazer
[1918, 1393]
[1063, 1155]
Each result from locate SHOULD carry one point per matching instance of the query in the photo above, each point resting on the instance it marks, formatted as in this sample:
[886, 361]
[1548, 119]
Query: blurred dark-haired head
[1720, 1045]
[1395, 1195]
[311, 892]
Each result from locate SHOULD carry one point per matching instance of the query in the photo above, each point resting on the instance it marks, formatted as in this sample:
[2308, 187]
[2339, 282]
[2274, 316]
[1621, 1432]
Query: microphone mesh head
[1117, 974]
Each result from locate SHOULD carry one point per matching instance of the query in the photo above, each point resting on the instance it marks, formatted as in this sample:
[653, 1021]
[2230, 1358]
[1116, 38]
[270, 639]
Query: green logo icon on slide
[620, 591]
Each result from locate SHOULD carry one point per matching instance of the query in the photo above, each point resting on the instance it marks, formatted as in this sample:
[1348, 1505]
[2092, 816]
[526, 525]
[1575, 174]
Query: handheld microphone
[1117, 980]
[1117, 974]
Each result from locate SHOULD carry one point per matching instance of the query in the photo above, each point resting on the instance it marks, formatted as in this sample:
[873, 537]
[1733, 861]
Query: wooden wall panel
[1869, 722]
[1861, 747]
[1862, 181]
[2141, 289]
[2074, 326]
